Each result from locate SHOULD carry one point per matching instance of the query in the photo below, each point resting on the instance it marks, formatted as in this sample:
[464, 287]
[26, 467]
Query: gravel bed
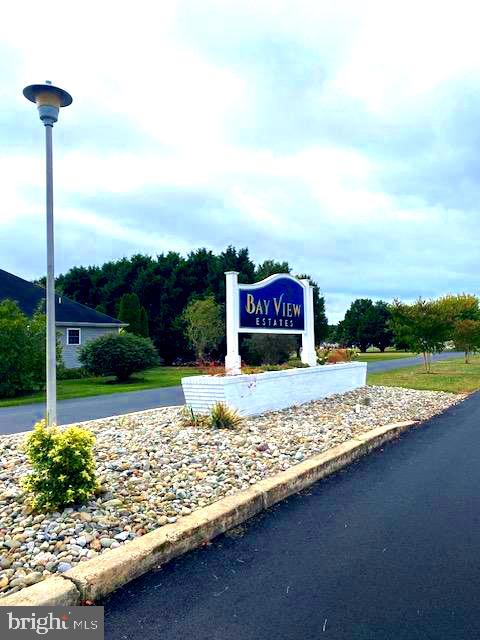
[153, 471]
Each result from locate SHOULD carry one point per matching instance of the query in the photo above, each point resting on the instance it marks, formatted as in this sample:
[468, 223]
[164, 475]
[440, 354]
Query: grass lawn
[449, 375]
[375, 356]
[151, 379]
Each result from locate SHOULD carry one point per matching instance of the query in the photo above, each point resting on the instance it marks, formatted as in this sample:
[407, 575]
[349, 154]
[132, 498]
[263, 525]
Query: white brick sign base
[251, 394]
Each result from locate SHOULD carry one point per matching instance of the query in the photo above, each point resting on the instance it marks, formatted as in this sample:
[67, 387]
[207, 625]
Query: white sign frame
[232, 359]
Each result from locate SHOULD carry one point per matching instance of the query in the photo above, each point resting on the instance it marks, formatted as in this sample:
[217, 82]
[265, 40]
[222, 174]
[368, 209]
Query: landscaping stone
[124, 535]
[106, 542]
[154, 470]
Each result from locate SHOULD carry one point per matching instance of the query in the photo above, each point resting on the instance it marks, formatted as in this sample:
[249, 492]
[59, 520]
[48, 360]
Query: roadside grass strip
[452, 376]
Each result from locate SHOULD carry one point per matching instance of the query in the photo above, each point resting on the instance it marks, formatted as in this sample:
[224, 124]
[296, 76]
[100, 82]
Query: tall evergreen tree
[129, 311]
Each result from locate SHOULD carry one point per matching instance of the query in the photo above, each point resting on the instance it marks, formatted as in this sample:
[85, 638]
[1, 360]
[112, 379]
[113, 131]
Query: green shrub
[63, 466]
[118, 355]
[223, 417]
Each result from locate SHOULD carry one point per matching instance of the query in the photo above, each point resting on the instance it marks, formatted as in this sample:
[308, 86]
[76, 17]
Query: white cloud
[184, 77]
[88, 222]
[405, 50]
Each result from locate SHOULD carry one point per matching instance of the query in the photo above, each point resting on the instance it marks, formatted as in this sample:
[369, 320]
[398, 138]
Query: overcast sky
[340, 136]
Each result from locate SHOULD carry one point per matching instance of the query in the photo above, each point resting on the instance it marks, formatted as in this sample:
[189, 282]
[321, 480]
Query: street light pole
[51, 333]
[49, 99]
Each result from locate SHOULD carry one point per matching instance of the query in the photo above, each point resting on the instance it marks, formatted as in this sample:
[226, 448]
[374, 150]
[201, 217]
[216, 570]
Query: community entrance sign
[278, 304]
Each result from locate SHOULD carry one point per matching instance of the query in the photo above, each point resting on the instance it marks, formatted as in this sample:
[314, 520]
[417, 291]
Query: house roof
[28, 296]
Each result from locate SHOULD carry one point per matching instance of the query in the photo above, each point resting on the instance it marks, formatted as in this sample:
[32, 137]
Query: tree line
[152, 294]
[425, 326]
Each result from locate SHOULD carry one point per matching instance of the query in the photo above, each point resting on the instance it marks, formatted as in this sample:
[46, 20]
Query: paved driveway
[388, 549]
[14, 419]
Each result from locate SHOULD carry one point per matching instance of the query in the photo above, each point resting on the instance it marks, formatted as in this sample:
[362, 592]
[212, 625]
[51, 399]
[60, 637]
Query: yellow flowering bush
[63, 466]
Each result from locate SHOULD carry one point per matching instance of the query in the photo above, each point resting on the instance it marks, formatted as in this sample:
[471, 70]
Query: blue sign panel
[278, 306]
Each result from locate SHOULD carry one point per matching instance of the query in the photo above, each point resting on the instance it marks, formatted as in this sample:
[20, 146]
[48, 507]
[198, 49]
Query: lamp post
[49, 99]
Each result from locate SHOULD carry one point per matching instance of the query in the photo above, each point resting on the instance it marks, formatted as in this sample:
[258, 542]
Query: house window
[74, 336]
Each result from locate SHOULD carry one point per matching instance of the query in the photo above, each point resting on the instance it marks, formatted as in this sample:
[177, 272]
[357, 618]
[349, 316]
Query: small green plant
[188, 418]
[63, 466]
[223, 417]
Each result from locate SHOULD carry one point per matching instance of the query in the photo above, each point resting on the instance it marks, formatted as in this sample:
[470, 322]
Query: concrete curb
[96, 578]
[54, 591]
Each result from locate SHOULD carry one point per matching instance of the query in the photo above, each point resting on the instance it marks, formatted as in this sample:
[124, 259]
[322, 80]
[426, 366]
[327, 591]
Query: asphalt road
[386, 549]
[399, 363]
[15, 419]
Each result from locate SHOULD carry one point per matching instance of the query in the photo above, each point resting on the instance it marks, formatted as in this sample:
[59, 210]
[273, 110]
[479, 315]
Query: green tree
[379, 329]
[15, 373]
[424, 326]
[164, 292]
[232, 260]
[269, 268]
[366, 324]
[205, 325]
[463, 313]
[357, 328]
[22, 350]
[80, 284]
[466, 335]
[199, 272]
[119, 277]
[460, 307]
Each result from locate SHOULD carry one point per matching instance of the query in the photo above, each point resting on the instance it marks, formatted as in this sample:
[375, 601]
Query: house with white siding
[76, 323]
